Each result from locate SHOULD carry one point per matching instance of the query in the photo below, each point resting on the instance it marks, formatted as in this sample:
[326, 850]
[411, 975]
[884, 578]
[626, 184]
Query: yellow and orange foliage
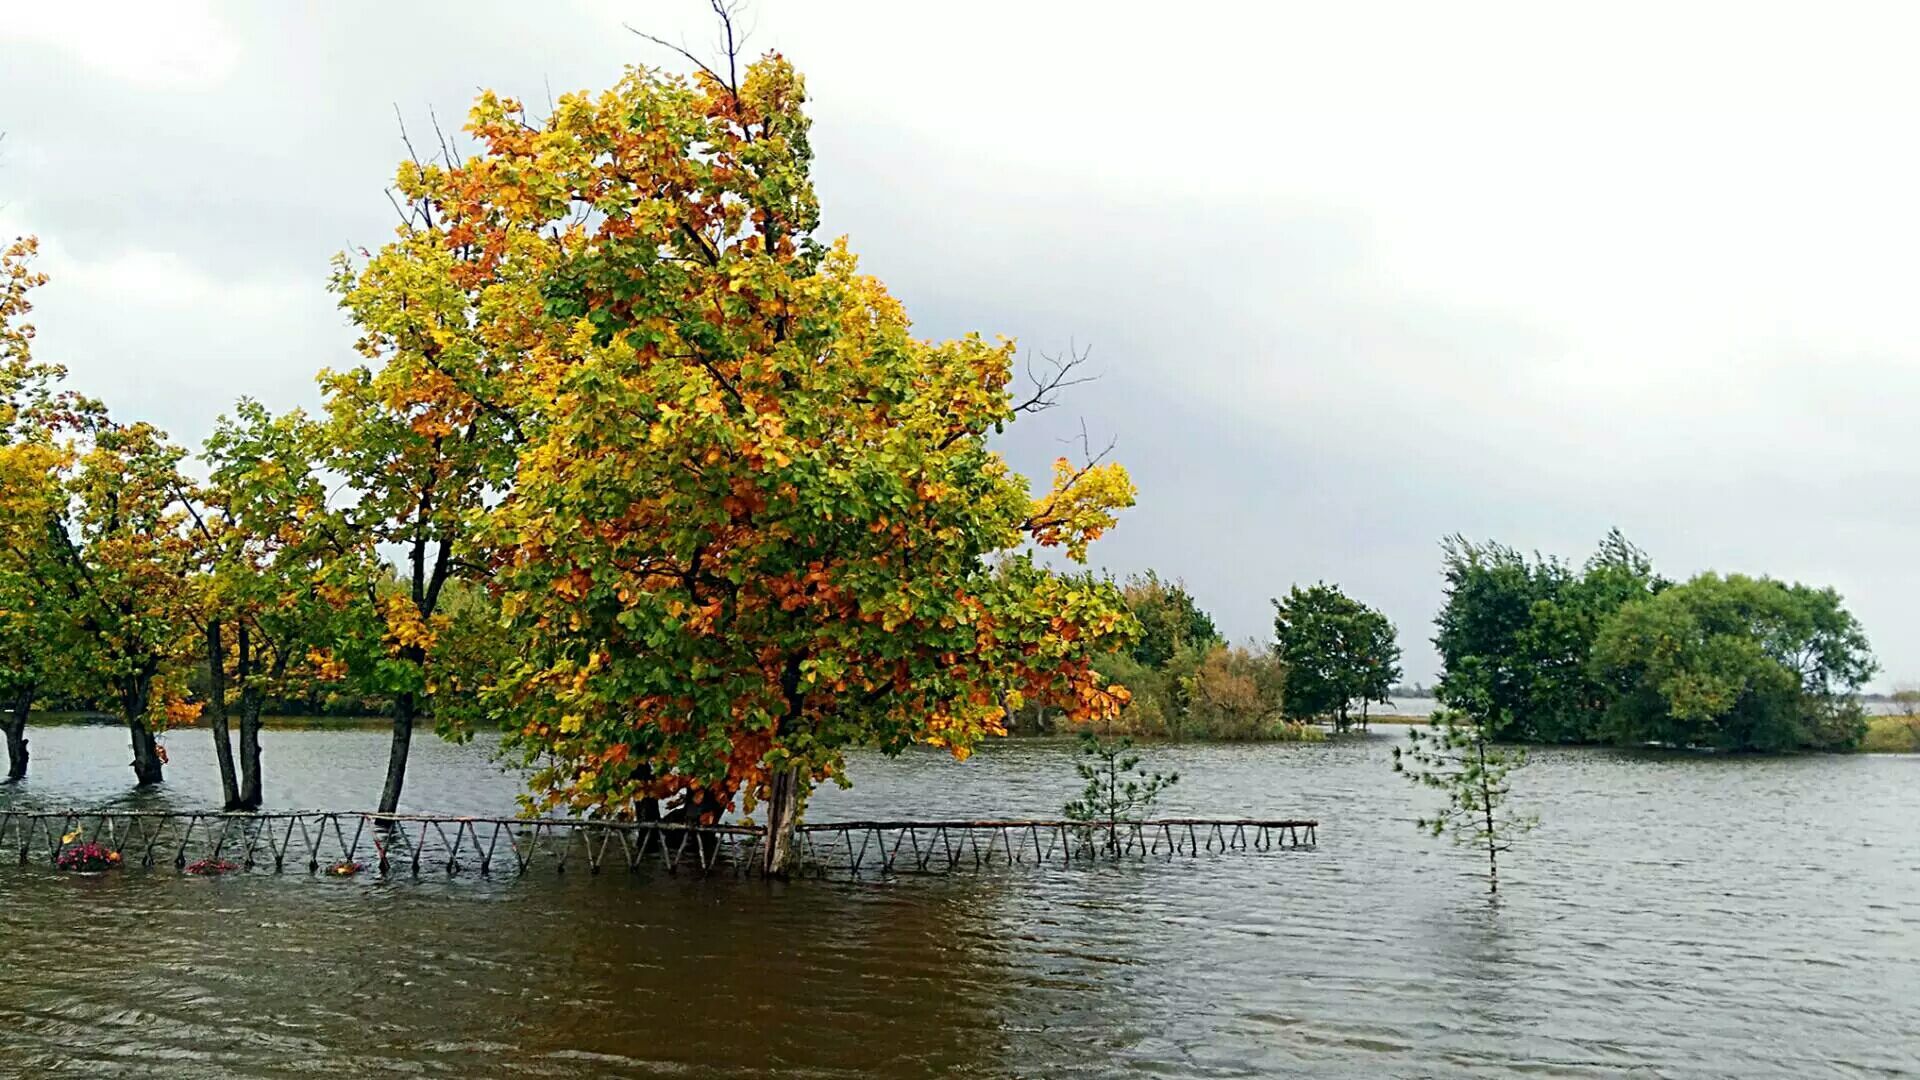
[744, 517]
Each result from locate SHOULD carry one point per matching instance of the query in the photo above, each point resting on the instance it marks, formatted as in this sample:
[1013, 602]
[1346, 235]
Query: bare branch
[1059, 375]
[446, 149]
[425, 208]
[733, 42]
[1048, 382]
[665, 44]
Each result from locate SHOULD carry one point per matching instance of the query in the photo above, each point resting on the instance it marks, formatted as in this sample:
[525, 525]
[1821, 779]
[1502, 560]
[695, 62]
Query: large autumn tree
[752, 518]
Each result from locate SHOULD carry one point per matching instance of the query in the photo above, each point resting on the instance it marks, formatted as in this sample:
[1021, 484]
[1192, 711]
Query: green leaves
[1117, 789]
[1516, 633]
[1456, 758]
[1735, 663]
[734, 515]
[1336, 650]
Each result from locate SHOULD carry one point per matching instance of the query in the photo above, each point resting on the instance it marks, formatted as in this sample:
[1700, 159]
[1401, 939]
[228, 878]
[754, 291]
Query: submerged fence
[348, 844]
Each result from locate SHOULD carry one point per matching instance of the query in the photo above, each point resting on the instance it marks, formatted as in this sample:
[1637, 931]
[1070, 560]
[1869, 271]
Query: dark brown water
[1673, 917]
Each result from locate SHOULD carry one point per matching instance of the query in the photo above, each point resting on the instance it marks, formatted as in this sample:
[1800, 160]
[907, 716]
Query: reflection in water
[1674, 916]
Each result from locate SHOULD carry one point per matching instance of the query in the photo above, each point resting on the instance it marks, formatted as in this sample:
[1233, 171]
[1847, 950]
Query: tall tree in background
[1516, 634]
[751, 515]
[1336, 650]
[1736, 663]
[1169, 619]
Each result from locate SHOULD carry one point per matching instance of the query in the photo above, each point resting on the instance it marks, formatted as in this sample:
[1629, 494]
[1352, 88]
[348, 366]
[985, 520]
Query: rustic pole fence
[352, 843]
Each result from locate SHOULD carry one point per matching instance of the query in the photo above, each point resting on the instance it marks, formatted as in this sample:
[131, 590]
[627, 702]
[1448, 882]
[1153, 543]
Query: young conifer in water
[1457, 759]
[1117, 790]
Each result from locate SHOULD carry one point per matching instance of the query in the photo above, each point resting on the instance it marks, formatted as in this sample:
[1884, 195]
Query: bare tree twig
[665, 44]
[1047, 384]
[1058, 376]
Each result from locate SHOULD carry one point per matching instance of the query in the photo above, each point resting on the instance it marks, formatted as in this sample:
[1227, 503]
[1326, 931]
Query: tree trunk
[16, 726]
[253, 701]
[134, 696]
[646, 809]
[1486, 806]
[146, 752]
[250, 704]
[217, 717]
[397, 754]
[783, 813]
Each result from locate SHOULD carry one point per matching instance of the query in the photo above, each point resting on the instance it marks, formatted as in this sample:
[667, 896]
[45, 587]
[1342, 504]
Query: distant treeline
[1537, 650]
[1532, 648]
[1330, 658]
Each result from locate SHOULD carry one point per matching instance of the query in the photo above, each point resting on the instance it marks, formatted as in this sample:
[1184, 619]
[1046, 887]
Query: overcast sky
[1355, 276]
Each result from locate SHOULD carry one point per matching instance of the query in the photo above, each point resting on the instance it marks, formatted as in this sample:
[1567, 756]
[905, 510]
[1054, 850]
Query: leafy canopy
[1336, 651]
[746, 518]
[1736, 663]
[1516, 633]
[1170, 620]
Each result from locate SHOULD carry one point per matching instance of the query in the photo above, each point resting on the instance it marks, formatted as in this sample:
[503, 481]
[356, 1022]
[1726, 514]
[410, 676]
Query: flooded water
[1672, 917]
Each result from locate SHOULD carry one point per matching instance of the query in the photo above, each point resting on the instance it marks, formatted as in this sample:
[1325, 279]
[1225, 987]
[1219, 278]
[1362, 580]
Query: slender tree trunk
[403, 713]
[16, 725]
[250, 705]
[217, 716]
[1486, 807]
[783, 813]
[253, 698]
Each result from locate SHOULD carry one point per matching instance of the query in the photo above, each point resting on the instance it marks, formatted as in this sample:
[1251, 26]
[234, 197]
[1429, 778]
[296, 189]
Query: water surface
[1673, 916]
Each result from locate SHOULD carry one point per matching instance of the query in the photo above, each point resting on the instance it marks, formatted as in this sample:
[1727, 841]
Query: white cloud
[179, 44]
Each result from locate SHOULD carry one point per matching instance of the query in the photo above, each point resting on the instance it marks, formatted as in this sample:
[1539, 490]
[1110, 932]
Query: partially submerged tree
[271, 545]
[94, 516]
[29, 626]
[750, 518]
[117, 559]
[418, 436]
[30, 634]
[1456, 758]
[1117, 789]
